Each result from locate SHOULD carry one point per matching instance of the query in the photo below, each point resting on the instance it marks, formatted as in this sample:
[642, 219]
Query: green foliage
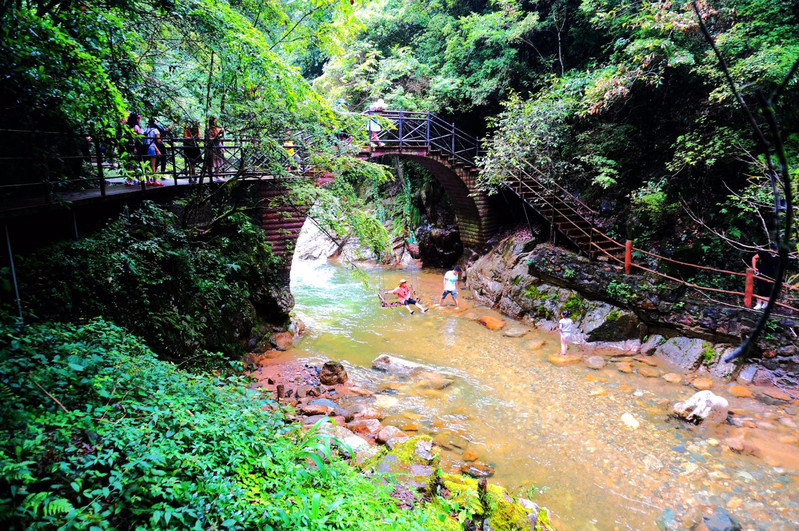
[621, 291]
[575, 305]
[100, 434]
[708, 354]
[183, 291]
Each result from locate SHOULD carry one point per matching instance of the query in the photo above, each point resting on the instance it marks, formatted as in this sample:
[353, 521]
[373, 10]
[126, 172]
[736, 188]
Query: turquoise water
[554, 434]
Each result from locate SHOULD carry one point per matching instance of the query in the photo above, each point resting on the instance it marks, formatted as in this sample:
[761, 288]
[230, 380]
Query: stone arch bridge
[441, 148]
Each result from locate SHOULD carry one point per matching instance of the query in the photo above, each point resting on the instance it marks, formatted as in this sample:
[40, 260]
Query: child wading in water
[565, 326]
[403, 293]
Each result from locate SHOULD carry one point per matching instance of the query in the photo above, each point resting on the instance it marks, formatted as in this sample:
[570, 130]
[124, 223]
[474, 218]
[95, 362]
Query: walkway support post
[98, 156]
[427, 131]
[749, 286]
[20, 321]
[628, 256]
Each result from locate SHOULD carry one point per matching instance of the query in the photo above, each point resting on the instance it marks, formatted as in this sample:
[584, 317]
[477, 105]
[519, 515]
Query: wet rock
[721, 520]
[596, 391]
[492, 323]
[595, 362]
[477, 469]
[740, 391]
[469, 456]
[649, 372]
[432, 380]
[703, 406]
[630, 421]
[536, 345]
[450, 441]
[672, 377]
[333, 373]
[651, 344]
[362, 411]
[387, 433]
[561, 360]
[646, 360]
[367, 427]
[393, 365]
[515, 331]
[283, 340]
[776, 394]
[747, 374]
[330, 405]
[605, 322]
[625, 367]
[423, 449]
[315, 410]
[702, 384]
[683, 352]
[359, 391]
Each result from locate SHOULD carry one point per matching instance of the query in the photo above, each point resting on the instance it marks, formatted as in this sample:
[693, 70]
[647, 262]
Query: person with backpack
[151, 138]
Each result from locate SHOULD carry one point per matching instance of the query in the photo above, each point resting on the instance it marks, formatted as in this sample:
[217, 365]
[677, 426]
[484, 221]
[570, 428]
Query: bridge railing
[426, 130]
[43, 166]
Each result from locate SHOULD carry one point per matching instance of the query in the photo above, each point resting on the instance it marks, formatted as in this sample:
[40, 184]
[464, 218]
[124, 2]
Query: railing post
[400, 129]
[628, 256]
[453, 141]
[749, 287]
[99, 158]
[427, 131]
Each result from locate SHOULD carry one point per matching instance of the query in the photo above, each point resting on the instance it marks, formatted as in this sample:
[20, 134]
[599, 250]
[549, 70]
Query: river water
[552, 434]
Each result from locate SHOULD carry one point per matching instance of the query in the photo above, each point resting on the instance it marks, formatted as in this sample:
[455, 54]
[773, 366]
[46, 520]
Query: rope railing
[566, 213]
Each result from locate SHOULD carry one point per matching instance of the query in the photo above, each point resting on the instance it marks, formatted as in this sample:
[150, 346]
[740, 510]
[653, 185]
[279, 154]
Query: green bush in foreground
[97, 433]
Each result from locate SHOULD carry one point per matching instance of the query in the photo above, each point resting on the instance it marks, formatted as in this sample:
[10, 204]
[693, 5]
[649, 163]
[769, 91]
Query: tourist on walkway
[565, 326]
[403, 293]
[135, 147]
[451, 285]
[152, 137]
[191, 148]
[769, 262]
[161, 145]
[373, 126]
[214, 137]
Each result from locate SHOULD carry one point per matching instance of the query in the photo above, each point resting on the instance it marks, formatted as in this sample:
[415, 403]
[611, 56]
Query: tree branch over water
[778, 176]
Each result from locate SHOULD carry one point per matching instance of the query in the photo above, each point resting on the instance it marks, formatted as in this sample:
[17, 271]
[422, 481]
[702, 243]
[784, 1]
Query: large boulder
[333, 373]
[682, 352]
[703, 407]
[604, 322]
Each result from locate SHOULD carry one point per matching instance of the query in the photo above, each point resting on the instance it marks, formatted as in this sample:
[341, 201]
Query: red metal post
[749, 287]
[628, 256]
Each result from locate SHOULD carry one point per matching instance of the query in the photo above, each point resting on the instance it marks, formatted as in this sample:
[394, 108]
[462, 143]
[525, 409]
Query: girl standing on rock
[565, 326]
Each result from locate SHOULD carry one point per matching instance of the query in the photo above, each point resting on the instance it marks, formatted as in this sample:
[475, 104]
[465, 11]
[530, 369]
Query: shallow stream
[552, 434]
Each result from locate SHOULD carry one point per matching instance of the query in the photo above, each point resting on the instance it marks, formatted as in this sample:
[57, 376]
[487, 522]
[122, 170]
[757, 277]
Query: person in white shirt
[451, 285]
[565, 326]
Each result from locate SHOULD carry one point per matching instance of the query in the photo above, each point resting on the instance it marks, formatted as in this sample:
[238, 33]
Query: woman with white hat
[403, 293]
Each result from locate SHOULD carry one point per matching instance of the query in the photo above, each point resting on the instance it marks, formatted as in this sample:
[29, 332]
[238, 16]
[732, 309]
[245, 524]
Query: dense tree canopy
[622, 102]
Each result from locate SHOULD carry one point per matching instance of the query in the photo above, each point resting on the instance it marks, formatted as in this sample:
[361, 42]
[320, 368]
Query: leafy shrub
[99, 434]
[182, 291]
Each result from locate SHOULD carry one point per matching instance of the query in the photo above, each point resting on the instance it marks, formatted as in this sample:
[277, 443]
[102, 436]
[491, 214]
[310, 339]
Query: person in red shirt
[403, 293]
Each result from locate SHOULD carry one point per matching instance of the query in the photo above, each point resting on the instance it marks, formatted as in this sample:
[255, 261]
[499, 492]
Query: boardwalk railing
[428, 131]
[40, 165]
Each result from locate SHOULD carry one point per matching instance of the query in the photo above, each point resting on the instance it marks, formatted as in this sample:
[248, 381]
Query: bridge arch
[440, 147]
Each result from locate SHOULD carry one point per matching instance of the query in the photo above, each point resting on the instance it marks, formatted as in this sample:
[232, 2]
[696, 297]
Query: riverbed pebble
[595, 362]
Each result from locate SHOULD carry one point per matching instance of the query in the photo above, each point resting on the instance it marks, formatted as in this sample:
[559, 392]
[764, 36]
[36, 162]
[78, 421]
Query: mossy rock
[504, 512]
